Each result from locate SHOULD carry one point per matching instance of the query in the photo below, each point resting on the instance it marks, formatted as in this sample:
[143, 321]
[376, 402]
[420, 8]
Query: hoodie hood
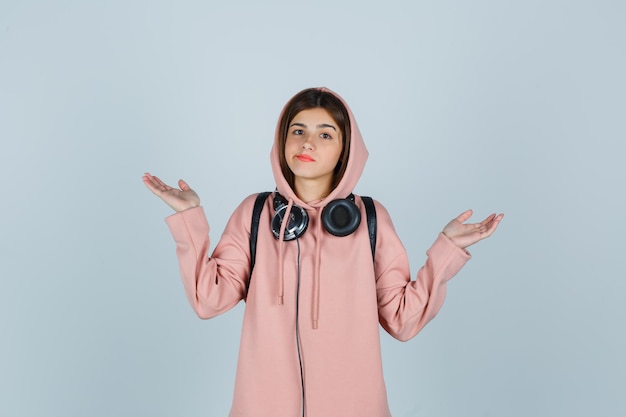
[356, 163]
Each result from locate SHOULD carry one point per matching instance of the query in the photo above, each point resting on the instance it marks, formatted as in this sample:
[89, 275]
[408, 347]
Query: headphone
[340, 218]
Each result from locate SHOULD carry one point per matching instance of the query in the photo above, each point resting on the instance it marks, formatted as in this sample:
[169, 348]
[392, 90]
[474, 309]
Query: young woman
[310, 341]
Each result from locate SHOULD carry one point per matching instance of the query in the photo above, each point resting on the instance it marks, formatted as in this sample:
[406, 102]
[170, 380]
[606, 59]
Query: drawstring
[316, 266]
[316, 272]
[281, 244]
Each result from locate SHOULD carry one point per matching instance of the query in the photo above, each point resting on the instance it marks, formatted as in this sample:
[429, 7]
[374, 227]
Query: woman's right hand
[178, 199]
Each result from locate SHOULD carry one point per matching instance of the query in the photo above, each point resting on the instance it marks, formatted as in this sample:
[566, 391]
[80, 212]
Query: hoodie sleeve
[217, 283]
[405, 306]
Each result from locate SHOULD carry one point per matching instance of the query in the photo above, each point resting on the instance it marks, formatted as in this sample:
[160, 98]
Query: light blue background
[508, 106]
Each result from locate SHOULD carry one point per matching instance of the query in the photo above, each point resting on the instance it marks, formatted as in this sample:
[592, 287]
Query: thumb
[183, 185]
[463, 217]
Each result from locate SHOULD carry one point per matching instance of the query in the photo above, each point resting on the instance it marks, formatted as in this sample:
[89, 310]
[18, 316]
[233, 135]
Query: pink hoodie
[329, 363]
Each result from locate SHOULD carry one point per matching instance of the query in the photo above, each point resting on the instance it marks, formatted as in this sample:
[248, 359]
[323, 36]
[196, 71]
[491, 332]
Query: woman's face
[313, 146]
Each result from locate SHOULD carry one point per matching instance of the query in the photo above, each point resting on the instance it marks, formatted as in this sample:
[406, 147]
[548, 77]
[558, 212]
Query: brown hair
[312, 98]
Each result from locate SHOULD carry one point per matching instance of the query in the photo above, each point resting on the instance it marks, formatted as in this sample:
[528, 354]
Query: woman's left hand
[464, 235]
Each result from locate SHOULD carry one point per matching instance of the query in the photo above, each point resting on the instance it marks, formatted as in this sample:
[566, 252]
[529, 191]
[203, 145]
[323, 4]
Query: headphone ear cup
[341, 217]
[296, 225]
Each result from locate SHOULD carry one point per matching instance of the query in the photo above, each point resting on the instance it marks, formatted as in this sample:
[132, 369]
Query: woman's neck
[309, 191]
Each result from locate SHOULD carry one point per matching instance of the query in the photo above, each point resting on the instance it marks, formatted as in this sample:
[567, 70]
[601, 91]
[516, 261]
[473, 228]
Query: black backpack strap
[370, 212]
[254, 229]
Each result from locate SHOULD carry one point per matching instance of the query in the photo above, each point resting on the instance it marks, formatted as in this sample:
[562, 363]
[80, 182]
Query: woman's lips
[305, 158]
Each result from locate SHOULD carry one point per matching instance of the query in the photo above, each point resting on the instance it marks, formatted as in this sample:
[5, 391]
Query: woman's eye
[326, 136]
[298, 132]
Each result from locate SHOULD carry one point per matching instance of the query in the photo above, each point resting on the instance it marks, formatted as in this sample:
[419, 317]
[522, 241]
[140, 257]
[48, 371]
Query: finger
[487, 220]
[152, 186]
[463, 217]
[493, 226]
[484, 225]
[183, 185]
[161, 184]
[150, 181]
[147, 177]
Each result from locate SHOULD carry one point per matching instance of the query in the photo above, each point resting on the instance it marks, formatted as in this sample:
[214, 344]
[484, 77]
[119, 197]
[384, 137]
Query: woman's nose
[307, 143]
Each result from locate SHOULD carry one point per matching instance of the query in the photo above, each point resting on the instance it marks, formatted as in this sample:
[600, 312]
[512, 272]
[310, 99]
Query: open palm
[464, 235]
[179, 199]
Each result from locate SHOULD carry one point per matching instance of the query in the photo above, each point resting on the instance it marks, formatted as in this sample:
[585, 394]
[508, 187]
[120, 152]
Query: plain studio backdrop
[500, 106]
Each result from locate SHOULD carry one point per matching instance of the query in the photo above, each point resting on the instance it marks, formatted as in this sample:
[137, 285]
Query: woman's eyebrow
[320, 126]
[323, 125]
